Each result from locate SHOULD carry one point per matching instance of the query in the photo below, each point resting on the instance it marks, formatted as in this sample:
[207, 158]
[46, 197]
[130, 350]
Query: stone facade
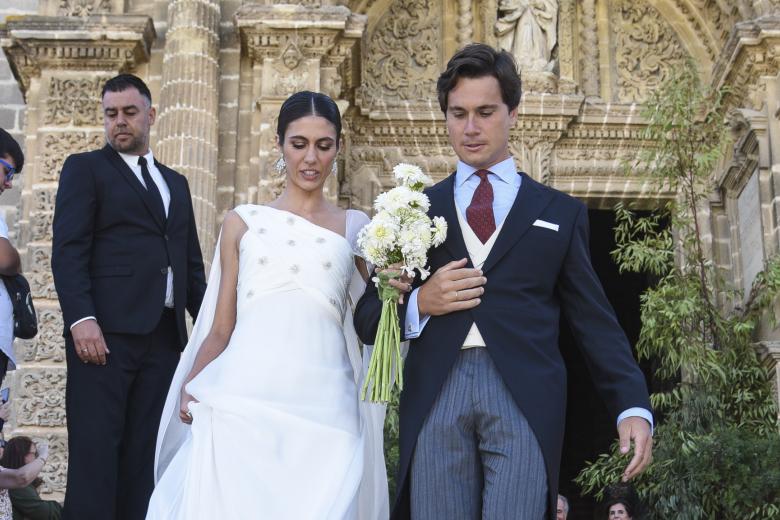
[219, 70]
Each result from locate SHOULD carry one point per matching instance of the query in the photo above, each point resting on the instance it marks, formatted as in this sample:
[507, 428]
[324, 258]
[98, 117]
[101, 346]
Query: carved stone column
[589, 49]
[288, 48]
[189, 105]
[61, 64]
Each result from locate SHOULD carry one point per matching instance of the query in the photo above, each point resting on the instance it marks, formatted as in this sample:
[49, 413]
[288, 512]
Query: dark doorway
[589, 429]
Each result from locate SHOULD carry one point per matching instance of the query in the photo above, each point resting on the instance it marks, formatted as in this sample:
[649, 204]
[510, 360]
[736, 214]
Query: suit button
[164, 270]
[166, 238]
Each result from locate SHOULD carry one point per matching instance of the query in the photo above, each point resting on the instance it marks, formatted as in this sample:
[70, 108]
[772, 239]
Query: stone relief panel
[403, 56]
[83, 7]
[647, 49]
[48, 345]
[57, 147]
[40, 397]
[74, 102]
[39, 275]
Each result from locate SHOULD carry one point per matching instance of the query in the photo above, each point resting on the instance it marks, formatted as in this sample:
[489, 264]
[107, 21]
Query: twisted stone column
[589, 43]
[189, 105]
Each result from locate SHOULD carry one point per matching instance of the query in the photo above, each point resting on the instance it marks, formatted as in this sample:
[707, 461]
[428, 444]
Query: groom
[483, 406]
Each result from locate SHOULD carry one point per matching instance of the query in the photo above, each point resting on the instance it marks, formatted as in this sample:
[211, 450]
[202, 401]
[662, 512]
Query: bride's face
[309, 149]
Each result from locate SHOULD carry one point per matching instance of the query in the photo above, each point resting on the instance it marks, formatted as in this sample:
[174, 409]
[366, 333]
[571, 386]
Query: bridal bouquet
[398, 237]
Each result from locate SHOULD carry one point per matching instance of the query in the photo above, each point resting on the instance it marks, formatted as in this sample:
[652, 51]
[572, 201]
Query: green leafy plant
[717, 444]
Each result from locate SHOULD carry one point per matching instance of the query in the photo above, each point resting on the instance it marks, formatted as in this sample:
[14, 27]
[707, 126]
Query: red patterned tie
[479, 214]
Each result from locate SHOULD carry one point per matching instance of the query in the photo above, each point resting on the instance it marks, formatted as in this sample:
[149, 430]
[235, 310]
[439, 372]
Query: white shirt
[165, 193]
[6, 312]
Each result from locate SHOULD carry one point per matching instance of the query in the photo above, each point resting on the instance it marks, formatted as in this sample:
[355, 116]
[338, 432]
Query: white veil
[373, 500]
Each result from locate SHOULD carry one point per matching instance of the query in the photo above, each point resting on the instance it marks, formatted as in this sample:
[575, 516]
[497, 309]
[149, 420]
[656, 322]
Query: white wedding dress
[278, 431]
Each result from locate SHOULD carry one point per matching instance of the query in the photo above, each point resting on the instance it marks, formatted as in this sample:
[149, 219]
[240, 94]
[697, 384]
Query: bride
[263, 419]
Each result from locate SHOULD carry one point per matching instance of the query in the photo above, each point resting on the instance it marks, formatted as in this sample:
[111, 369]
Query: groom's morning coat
[532, 273]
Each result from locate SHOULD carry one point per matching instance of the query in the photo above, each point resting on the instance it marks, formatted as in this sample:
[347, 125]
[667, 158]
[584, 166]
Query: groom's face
[478, 121]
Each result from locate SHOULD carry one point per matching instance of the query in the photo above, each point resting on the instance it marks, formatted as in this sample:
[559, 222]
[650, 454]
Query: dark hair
[624, 503]
[15, 451]
[125, 81]
[306, 103]
[9, 146]
[477, 60]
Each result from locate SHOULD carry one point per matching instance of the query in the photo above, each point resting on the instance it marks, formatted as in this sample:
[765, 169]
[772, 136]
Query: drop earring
[280, 165]
[334, 168]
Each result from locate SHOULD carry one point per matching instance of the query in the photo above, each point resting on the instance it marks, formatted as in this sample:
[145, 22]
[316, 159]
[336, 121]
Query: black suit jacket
[111, 252]
[532, 274]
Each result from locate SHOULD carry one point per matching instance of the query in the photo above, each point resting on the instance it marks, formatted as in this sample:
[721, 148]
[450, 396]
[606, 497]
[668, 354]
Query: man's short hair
[9, 146]
[125, 81]
[565, 503]
[477, 60]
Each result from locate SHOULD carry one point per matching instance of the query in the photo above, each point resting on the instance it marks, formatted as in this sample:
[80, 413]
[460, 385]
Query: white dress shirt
[505, 182]
[165, 193]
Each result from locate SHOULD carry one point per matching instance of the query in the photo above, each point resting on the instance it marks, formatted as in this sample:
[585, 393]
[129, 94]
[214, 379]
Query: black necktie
[154, 194]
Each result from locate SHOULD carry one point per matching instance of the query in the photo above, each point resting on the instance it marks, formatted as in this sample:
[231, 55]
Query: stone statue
[528, 29]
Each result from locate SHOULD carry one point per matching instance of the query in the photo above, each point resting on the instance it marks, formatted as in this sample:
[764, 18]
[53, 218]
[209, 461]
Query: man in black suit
[482, 412]
[126, 263]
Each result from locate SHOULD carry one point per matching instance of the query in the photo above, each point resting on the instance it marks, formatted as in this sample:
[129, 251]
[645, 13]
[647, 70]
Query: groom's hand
[636, 429]
[452, 287]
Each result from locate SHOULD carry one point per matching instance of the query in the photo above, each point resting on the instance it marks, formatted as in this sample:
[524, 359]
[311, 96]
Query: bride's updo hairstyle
[306, 103]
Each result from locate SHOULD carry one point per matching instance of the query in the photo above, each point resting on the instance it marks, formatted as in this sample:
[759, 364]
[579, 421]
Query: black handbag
[25, 319]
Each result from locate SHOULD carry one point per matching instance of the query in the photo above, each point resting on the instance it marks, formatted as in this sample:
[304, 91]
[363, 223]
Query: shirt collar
[132, 160]
[504, 170]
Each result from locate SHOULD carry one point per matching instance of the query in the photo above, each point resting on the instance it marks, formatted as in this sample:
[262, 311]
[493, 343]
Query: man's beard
[135, 145]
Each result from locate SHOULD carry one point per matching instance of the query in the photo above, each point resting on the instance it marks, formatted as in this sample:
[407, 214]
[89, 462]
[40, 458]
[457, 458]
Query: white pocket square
[545, 224]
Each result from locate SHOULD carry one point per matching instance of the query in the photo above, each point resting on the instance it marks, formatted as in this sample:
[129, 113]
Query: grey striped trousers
[476, 457]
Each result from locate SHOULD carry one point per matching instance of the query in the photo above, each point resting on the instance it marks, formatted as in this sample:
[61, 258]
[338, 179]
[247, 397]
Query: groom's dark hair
[478, 60]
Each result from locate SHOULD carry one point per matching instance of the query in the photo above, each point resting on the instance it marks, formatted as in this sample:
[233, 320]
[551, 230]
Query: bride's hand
[403, 284]
[184, 411]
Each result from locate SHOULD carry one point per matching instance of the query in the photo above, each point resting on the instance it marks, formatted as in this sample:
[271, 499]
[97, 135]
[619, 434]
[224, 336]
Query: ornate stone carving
[40, 227]
[402, 60]
[647, 51]
[533, 157]
[529, 30]
[103, 43]
[39, 276]
[74, 102]
[48, 345]
[589, 48]
[41, 397]
[465, 22]
[83, 7]
[57, 147]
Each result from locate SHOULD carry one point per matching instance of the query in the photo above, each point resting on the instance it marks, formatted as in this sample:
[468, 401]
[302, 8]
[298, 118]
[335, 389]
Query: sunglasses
[10, 170]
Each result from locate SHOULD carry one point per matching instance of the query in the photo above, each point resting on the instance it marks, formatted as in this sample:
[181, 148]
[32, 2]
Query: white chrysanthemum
[439, 230]
[412, 176]
[395, 199]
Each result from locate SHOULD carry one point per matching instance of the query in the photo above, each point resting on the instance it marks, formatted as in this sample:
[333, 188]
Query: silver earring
[334, 168]
[280, 165]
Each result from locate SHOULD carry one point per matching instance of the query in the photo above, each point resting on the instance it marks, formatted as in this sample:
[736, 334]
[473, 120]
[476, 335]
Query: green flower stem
[386, 358]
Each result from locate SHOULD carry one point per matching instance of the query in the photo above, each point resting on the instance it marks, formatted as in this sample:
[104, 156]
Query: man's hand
[90, 345]
[635, 429]
[451, 288]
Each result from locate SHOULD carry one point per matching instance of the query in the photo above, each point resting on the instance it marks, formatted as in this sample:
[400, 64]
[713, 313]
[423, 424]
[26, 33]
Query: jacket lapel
[120, 165]
[528, 205]
[442, 197]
